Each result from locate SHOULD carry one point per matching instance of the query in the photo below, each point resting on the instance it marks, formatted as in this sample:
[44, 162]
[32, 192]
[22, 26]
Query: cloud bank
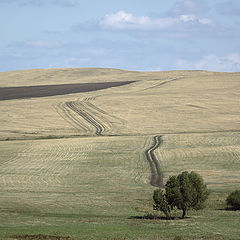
[127, 21]
[228, 63]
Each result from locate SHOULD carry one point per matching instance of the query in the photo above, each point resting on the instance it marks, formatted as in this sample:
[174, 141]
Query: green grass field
[75, 165]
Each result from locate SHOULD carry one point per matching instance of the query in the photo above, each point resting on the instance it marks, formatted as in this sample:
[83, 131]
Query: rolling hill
[85, 164]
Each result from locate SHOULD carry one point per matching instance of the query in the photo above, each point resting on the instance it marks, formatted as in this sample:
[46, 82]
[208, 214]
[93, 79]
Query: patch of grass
[207, 225]
[95, 188]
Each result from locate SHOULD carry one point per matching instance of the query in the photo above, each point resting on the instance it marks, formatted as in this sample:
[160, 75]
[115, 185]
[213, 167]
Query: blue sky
[147, 35]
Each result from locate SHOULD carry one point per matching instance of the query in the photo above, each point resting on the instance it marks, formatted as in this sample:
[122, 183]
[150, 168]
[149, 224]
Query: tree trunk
[168, 216]
[184, 213]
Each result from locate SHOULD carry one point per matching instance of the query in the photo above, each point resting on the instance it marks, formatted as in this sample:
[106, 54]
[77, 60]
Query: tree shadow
[229, 209]
[40, 237]
[156, 217]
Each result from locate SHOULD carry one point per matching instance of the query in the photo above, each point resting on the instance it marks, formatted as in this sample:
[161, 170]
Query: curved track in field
[163, 83]
[71, 117]
[87, 116]
[156, 173]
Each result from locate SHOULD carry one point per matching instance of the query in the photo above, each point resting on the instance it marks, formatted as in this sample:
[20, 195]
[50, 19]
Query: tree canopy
[184, 191]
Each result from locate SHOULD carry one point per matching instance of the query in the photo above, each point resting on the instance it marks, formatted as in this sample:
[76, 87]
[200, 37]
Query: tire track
[71, 118]
[122, 121]
[156, 173]
[163, 83]
[98, 116]
[88, 117]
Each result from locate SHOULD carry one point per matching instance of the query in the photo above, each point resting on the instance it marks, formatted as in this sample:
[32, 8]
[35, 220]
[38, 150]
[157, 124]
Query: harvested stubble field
[84, 165]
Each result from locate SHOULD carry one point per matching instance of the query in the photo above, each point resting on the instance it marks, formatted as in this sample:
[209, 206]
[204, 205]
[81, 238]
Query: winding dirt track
[88, 117]
[156, 173]
[73, 119]
[9, 93]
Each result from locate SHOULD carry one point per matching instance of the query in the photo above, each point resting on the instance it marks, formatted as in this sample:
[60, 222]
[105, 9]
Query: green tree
[185, 191]
[233, 200]
[160, 203]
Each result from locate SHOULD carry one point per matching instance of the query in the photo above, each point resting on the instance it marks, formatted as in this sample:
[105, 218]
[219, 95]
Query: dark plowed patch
[8, 93]
[40, 237]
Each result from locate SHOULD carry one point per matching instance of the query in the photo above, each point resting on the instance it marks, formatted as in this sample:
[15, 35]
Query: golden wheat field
[167, 102]
[85, 164]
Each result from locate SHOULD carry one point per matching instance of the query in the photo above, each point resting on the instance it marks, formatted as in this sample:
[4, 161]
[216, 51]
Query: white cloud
[188, 18]
[228, 63]
[206, 21]
[123, 20]
[127, 21]
[193, 19]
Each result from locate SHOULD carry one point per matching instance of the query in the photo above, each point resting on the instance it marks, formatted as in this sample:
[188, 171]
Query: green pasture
[98, 187]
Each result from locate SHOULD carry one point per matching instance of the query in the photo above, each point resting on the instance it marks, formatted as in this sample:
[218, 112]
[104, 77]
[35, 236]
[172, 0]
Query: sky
[144, 35]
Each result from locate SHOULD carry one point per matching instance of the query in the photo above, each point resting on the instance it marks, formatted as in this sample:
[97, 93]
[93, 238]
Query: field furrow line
[85, 116]
[92, 117]
[99, 117]
[121, 121]
[88, 117]
[163, 83]
[71, 117]
[140, 172]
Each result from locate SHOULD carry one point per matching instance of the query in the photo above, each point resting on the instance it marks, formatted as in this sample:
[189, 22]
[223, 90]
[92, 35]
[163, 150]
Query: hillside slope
[85, 164]
[158, 102]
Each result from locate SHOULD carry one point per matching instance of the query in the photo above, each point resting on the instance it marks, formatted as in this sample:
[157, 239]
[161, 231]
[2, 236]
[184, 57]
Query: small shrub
[233, 200]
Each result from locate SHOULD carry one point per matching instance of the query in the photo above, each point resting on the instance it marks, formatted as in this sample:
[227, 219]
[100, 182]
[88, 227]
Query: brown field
[9, 93]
